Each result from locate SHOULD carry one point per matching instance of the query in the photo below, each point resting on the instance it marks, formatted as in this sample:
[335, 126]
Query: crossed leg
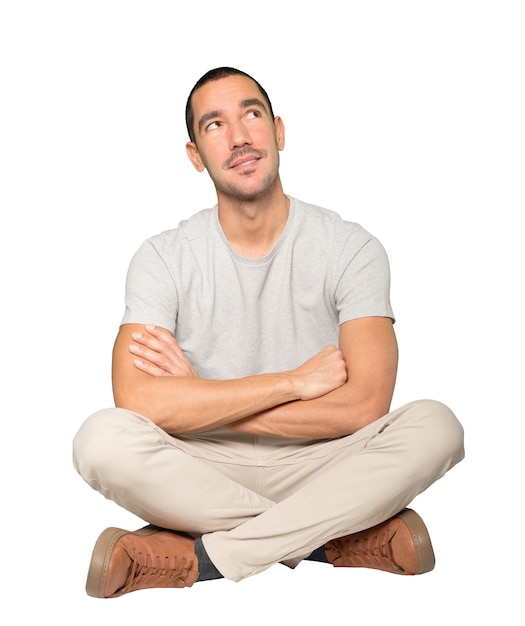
[255, 506]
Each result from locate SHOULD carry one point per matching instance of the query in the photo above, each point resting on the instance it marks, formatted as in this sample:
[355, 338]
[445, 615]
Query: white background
[407, 117]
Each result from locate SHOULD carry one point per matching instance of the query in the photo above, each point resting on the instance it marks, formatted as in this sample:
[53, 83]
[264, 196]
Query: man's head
[217, 74]
[234, 135]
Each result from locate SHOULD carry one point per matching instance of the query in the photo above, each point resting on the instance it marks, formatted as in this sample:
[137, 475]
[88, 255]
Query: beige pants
[259, 501]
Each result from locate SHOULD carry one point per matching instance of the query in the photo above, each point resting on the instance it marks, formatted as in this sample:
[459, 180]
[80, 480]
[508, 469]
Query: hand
[322, 373]
[159, 353]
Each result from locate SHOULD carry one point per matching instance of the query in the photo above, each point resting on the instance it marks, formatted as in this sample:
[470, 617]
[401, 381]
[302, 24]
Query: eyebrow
[249, 102]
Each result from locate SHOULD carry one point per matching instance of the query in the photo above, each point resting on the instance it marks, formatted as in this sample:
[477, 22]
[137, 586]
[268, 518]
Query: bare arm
[151, 376]
[370, 351]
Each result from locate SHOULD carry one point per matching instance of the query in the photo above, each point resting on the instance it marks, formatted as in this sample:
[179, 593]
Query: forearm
[190, 405]
[162, 386]
[322, 398]
[336, 414]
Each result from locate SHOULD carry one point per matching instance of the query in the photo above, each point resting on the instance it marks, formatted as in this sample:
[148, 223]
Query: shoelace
[366, 551]
[157, 571]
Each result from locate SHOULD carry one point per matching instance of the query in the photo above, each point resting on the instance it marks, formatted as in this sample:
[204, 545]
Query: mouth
[240, 163]
[244, 159]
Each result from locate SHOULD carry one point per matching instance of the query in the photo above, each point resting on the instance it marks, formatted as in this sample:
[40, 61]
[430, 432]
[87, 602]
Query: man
[253, 374]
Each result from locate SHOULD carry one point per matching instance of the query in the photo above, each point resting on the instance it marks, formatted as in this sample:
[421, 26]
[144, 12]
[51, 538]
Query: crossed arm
[334, 393]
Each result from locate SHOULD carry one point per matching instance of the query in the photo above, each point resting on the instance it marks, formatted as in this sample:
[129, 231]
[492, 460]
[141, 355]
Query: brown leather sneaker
[124, 561]
[401, 545]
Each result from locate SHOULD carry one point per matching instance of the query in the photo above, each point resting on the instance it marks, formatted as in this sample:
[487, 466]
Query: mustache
[242, 152]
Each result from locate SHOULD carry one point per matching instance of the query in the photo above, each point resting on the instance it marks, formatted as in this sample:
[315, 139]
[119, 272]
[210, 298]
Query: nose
[239, 135]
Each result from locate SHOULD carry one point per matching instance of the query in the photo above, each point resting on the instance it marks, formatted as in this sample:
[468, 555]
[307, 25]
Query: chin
[253, 191]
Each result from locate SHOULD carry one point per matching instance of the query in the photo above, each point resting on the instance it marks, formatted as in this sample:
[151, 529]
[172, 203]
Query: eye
[253, 113]
[213, 126]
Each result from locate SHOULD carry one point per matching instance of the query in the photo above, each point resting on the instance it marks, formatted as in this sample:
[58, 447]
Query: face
[237, 141]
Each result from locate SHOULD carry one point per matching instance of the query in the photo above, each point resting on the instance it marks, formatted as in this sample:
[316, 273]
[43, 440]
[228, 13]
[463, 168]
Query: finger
[146, 342]
[172, 366]
[149, 368]
[157, 331]
[147, 354]
[161, 339]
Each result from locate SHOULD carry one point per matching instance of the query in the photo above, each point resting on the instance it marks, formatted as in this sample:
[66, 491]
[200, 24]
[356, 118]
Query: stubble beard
[239, 192]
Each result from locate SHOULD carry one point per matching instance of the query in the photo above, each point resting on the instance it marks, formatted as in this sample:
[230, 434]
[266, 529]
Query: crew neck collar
[279, 243]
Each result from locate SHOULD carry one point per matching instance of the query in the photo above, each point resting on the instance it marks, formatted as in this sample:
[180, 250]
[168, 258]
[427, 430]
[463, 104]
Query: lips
[244, 161]
[242, 158]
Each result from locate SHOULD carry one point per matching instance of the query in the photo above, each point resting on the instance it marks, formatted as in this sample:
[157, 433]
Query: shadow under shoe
[124, 561]
[401, 545]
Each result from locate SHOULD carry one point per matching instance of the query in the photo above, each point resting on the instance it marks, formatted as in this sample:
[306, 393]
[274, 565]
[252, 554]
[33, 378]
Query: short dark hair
[217, 74]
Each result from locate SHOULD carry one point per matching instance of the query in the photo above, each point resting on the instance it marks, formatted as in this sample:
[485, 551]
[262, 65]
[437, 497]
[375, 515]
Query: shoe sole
[421, 538]
[99, 565]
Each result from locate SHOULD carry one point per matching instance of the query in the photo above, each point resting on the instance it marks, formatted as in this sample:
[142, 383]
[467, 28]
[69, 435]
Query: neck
[253, 226]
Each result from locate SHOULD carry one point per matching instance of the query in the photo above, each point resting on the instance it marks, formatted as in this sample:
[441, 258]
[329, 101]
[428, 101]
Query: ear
[279, 132]
[193, 154]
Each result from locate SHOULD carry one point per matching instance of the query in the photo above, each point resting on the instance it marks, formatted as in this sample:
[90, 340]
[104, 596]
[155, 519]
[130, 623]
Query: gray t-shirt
[235, 316]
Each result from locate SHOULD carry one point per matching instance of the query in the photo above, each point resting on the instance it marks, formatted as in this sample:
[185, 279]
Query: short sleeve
[151, 296]
[363, 289]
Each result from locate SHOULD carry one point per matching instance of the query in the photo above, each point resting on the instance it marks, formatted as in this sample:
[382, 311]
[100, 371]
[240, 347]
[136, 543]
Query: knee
[95, 446]
[444, 432]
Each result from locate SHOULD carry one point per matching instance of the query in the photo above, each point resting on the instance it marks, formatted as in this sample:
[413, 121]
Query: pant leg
[360, 481]
[128, 459]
